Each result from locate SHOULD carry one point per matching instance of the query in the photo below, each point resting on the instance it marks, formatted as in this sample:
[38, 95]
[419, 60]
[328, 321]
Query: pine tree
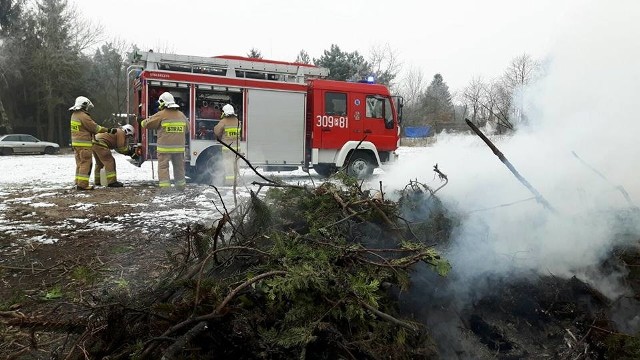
[343, 65]
[303, 57]
[254, 54]
[436, 101]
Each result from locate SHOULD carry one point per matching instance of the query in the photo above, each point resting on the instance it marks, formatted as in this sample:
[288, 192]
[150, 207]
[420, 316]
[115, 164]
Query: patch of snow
[43, 239]
[42, 204]
[82, 206]
[105, 226]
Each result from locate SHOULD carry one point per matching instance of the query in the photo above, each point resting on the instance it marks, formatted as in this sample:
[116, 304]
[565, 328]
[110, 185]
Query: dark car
[25, 144]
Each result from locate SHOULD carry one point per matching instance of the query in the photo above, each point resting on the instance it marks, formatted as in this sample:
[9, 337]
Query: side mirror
[399, 102]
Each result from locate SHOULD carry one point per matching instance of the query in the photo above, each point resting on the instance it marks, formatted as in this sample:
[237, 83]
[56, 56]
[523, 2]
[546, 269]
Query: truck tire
[325, 170]
[360, 164]
[209, 168]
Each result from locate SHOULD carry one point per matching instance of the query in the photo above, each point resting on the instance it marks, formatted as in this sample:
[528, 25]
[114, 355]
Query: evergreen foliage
[343, 65]
[302, 273]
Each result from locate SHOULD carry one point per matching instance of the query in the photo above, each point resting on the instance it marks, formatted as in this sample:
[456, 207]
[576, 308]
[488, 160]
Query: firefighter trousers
[229, 166]
[177, 162]
[104, 159]
[83, 166]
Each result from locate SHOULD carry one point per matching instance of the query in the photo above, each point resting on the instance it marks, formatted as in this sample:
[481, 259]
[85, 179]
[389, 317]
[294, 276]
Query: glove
[134, 152]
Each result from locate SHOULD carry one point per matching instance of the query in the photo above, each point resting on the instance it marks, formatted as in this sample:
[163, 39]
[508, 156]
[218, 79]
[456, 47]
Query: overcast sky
[458, 38]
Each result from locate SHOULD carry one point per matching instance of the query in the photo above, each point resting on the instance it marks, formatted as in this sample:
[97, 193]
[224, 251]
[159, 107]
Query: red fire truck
[291, 116]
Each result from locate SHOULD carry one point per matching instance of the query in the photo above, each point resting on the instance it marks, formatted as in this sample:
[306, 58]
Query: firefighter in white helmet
[83, 129]
[228, 131]
[120, 142]
[172, 127]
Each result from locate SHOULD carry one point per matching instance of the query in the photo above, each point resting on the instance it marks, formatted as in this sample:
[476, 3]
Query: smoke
[579, 150]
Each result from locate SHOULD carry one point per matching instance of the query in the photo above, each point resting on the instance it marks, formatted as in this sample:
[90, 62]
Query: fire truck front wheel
[360, 164]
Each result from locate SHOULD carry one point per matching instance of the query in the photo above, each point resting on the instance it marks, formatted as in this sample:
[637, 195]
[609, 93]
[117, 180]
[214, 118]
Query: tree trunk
[5, 124]
[51, 120]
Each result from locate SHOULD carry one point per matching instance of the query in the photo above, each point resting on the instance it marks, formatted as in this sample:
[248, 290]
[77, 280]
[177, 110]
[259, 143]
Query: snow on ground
[45, 183]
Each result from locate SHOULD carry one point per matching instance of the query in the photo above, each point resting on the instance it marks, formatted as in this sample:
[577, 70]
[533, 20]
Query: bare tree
[472, 97]
[497, 103]
[84, 33]
[521, 71]
[384, 64]
[412, 85]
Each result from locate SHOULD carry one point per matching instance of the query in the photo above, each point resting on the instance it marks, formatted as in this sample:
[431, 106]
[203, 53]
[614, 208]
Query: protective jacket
[228, 130]
[172, 127]
[117, 141]
[83, 128]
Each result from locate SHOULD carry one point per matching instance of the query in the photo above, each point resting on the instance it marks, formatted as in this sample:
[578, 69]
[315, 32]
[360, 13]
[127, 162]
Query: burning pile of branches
[301, 272]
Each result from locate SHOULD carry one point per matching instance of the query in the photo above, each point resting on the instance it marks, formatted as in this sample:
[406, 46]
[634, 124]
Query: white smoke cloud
[588, 104]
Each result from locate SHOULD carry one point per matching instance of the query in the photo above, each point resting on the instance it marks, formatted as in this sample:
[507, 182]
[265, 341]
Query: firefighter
[121, 142]
[171, 125]
[83, 129]
[228, 131]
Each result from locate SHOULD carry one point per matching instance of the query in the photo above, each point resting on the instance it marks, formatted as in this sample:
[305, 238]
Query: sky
[460, 39]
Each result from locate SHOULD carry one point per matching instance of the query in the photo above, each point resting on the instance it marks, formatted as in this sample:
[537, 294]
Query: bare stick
[622, 190]
[513, 170]
[388, 317]
[246, 161]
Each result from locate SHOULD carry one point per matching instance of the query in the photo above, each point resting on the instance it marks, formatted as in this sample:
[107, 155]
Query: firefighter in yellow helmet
[172, 126]
[228, 131]
[121, 142]
[83, 129]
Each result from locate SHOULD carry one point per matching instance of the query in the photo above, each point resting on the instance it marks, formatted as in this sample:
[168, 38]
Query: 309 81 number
[330, 121]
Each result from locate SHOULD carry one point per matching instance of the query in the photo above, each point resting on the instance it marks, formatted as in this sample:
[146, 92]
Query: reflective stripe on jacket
[171, 125]
[228, 130]
[83, 128]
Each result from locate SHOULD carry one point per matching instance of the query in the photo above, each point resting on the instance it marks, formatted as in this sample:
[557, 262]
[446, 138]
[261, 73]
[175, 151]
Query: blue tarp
[417, 131]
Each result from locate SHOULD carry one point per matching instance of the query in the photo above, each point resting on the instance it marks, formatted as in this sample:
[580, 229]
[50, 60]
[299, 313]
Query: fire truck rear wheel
[361, 164]
[208, 169]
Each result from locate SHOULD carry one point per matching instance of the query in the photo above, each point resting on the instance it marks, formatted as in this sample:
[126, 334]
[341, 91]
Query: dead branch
[215, 313]
[212, 255]
[388, 317]
[442, 177]
[274, 184]
[246, 162]
[620, 188]
[513, 170]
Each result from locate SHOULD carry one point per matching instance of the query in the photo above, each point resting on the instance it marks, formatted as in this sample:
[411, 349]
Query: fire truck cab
[291, 116]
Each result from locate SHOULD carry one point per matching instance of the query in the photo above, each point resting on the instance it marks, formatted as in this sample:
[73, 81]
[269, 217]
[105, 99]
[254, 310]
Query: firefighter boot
[90, 187]
[115, 184]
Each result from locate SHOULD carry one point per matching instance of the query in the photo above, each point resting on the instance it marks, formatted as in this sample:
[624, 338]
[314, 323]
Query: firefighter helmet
[166, 100]
[82, 103]
[228, 110]
[128, 130]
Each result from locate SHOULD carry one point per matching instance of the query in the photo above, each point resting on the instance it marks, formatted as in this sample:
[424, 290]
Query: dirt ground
[71, 247]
